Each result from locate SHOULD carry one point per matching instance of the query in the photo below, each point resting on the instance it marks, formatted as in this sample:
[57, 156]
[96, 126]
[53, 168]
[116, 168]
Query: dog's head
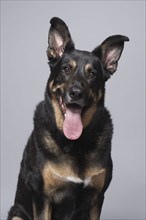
[76, 82]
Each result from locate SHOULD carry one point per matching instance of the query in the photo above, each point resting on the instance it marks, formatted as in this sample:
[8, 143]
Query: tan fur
[57, 110]
[92, 171]
[58, 114]
[60, 87]
[99, 95]
[88, 115]
[17, 218]
[51, 85]
[49, 143]
[48, 211]
[94, 214]
[97, 176]
[53, 88]
[54, 175]
[88, 67]
[45, 215]
[73, 64]
[97, 98]
[99, 180]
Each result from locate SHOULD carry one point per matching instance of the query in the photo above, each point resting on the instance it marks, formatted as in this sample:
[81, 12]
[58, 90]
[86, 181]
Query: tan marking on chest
[97, 176]
[55, 176]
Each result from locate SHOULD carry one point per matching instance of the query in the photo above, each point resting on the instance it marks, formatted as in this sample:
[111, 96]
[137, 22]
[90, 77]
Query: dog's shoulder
[40, 114]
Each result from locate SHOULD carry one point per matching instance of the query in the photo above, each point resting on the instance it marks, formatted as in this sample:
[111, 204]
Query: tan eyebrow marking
[73, 63]
[88, 67]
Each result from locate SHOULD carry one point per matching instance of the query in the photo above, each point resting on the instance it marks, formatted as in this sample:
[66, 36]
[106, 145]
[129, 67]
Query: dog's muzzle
[72, 105]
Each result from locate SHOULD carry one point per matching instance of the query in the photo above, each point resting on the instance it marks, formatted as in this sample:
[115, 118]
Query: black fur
[64, 177]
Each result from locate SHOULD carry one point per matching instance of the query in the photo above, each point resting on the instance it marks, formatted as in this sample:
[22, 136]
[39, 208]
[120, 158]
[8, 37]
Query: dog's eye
[66, 69]
[92, 74]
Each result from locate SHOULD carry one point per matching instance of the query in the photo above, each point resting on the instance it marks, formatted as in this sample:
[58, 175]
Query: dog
[67, 166]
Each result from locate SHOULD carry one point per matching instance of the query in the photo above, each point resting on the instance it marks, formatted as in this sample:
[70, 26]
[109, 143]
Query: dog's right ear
[59, 39]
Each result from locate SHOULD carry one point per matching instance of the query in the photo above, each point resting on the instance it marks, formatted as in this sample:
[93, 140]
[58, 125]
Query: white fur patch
[74, 179]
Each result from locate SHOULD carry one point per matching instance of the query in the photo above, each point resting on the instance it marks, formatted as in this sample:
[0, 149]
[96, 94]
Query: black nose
[75, 93]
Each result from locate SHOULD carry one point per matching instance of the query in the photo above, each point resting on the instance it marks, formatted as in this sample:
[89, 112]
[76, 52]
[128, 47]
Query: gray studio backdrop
[24, 72]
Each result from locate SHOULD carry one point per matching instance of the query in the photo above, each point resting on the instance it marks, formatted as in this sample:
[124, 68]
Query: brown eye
[92, 74]
[67, 69]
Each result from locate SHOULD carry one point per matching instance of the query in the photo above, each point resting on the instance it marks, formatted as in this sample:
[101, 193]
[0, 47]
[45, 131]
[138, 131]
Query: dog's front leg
[22, 208]
[96, 211]
[41, 208]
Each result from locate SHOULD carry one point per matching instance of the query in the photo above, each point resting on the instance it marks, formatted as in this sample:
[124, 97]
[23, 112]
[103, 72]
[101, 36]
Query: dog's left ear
[110, 52]
[59, 39]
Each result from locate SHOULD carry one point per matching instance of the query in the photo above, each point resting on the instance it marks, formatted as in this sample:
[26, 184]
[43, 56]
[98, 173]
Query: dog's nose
[75, 93]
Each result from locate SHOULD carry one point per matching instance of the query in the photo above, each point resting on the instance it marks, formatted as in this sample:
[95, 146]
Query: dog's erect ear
[109, 52]
[59, 39]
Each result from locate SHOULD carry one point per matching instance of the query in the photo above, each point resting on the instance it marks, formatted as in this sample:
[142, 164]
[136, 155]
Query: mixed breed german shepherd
[66, 166]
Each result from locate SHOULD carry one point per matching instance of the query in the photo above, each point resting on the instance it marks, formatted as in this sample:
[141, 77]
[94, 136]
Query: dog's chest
[64, 176]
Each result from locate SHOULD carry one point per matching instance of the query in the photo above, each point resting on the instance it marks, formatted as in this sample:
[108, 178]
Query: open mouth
[72, 125]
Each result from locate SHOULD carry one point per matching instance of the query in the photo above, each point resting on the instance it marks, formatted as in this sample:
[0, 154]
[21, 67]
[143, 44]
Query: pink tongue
[72, 125]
